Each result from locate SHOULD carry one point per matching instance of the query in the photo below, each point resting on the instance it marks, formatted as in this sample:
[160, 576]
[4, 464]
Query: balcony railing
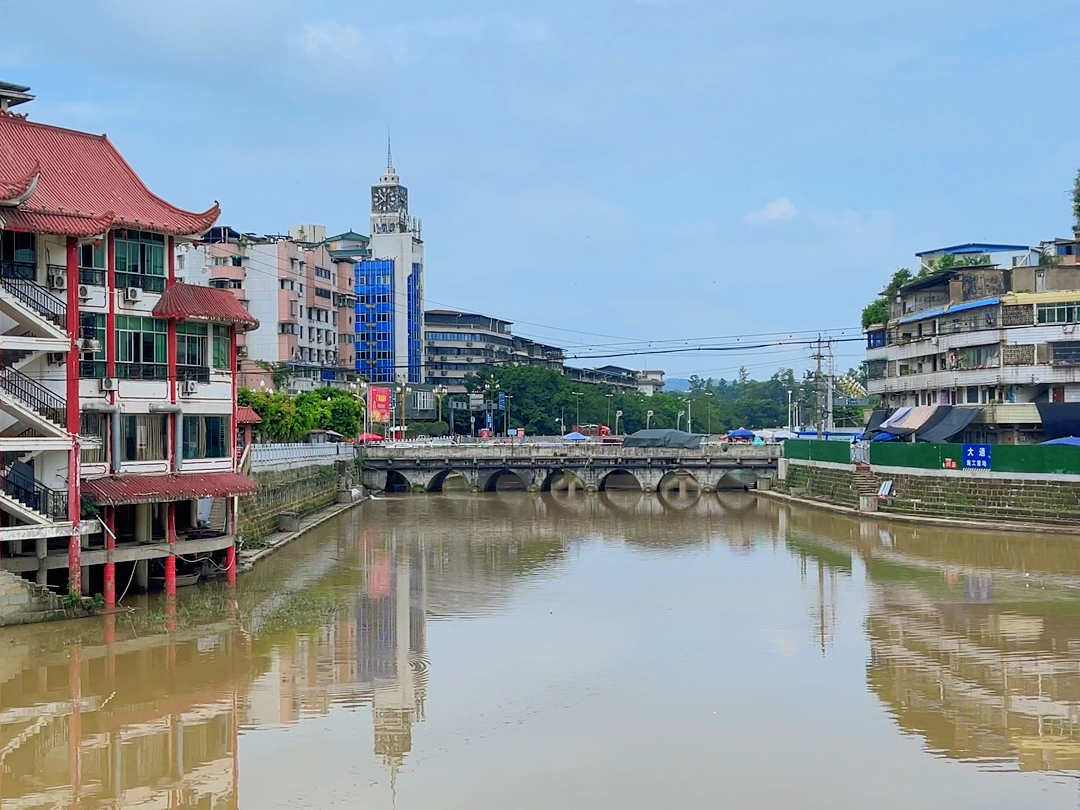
[154, 284]
[34, 394]
[92, 275]
[34, 296]
[92, 369]
[142, 371]
[23, 270]
[36, 496]
[197, 373]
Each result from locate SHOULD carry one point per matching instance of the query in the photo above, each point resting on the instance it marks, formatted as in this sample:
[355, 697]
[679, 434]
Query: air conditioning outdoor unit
[241, 352]
[88, 345]
[109, 383]
[133, 294]
[189, 387]
[468, 343]
[84, 292]
[56, 358]
[58, 281]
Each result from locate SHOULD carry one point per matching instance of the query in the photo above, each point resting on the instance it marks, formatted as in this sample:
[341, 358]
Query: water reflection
[969, 642]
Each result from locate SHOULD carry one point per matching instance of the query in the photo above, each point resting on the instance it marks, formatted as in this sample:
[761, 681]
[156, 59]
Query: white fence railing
[535, 452]
[288, 456]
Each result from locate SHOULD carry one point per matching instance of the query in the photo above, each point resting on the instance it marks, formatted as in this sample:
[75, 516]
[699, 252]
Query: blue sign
[489, 422]
[502, 401]
[977, 456]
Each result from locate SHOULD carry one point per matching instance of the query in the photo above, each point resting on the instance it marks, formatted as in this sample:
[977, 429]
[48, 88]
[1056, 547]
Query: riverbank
[926, 520]
[272, 543]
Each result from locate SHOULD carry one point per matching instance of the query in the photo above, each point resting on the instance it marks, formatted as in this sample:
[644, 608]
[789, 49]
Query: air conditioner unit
[58, 281]
[109, 383]
[133, 294]
[56, 358]
[88, 345]
[241, 352]
[84, 292]
[189, 387]
[1068, 328]
[468, 343]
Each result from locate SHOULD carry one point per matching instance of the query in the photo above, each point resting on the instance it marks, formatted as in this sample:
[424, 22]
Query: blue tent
[741, 433]
[1070, 441]
[887, 437]
[575, 437]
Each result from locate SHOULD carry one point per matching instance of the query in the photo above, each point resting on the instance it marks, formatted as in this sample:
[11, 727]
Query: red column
[172, 454]
[170, 561]
[230, 563]
[74, 513]
[110, 566]
[230, 553]
[110, 314]
[75, 718]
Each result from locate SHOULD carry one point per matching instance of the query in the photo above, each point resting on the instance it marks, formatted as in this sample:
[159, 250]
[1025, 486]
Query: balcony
[95, 276]
[142, 371]
[197, 373]
[22, 270]
[1004, 376]
[152, 284]
[92, 369]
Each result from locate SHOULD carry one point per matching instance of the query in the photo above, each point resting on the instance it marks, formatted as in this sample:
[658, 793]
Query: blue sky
[645, 169]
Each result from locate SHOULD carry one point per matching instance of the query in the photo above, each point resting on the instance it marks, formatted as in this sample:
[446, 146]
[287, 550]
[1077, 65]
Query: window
[287, 328]
[236, 261]
[191, 344]
[18, 254]
[1057, 313]
[141, 348]
[1066, 353]
[92, 428]
[92, 327]
[143, 437]
[282, 283]
[206, 437]
[973, 394]
[222, 347]
[322, 272]
[92, 264]
[321, 293]
[221, 261]
[140, 260]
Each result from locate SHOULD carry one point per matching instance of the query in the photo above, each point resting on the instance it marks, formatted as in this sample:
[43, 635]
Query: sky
[600, 172]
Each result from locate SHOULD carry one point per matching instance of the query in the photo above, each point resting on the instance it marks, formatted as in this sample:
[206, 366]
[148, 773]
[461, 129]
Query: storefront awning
[115, 490]
[1060, 419]
[956, 420]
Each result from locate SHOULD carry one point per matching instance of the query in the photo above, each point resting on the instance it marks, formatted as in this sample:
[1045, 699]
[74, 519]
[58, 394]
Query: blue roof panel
[974, 247]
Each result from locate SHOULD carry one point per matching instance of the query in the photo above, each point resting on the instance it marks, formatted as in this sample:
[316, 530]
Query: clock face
[403, 199]
[382, 200]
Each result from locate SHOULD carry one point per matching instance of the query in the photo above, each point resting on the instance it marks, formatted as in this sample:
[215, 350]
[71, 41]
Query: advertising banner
[380, 405]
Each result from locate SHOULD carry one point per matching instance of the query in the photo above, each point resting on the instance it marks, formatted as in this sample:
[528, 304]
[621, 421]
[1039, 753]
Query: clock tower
[390, 288]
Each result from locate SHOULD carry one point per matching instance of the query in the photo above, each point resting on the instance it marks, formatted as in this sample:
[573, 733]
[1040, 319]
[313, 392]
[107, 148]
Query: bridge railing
[529, 452]
[287, 456]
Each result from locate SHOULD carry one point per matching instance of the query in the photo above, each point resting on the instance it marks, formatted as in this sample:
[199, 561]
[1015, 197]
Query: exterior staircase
[34, 397]
[31, 296]
[864, 481]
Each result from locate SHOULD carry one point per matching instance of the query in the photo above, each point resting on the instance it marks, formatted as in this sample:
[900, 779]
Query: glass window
[143, 437]
[191, 344]
[140, 342]
[222, 355]
[206, 437]
[92, 428]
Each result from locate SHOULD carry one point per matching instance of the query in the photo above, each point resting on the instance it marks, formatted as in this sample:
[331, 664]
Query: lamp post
[791, 421]
[708, 408]
[440, 392]
[609, 396]
[678, 422]
[648, 419]
[579, 395]
[618, 413]
[689, 414]
[491, 388]
[403, 392]
[506, 416]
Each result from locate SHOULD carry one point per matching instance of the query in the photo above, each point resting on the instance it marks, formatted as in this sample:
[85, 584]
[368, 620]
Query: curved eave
[187, 224]
[17, 191]
[81, 226]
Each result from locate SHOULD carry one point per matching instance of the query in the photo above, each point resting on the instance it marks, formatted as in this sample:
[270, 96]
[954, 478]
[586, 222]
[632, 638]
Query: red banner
[379, 405]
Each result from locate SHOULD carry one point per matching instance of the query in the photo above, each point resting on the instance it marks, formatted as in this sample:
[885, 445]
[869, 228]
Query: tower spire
[389, 154]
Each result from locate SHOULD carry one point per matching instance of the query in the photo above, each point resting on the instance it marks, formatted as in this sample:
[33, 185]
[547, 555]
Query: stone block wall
[822, 483]
[22, 601]
[984, 498]
[303, 490]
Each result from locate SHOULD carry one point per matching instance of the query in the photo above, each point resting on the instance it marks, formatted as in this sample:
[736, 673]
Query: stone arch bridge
[589, 468]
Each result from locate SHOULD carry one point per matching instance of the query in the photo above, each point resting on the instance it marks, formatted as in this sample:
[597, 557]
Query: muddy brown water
[574, 651]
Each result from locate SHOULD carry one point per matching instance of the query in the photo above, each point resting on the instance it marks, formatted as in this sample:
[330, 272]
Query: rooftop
[62, 181]
[973, 248]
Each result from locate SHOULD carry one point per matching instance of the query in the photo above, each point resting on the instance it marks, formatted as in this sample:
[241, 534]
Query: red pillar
[110, 566]
[74, 511]
[75, 719]
[230, 563]
[170, 561]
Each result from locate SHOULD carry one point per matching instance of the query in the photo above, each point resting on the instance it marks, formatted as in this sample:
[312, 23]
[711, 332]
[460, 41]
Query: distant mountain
[676, 385]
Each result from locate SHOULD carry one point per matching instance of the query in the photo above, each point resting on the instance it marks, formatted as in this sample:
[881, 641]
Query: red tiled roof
[190, 302]
[78, 225]
[114, 490]
[82, 176]
[17, 189]
[245, 415]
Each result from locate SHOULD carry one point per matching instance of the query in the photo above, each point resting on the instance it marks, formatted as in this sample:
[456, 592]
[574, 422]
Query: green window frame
[140, 253]
[191, 344]
[222, 347]
[141, 340]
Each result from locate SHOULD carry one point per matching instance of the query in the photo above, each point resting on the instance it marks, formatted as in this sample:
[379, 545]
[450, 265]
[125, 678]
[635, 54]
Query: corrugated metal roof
[83, 175]
[973, 248]
[114, 490]
[245, 415]
[189, 302]
[939, 311]
[78, 225]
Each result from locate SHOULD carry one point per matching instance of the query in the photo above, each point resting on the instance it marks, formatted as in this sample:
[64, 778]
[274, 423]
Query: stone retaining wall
[300, 490]
[948, 495]
[22, 601]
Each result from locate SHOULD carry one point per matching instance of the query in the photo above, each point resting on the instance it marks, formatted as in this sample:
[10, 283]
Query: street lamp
[440, 392]
[403, 392]
[708, 408]
[579, 395]
[689, 414]
[618, 413]
[491, 387]
[678, 422]
[506, 415]
[648, 418]
[608, 420]
[359, 392]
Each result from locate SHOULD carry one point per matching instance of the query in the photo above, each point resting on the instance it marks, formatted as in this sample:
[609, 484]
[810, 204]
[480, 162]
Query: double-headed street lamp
[403, 392]
[609, 396]
[359, 392]
[440, 392]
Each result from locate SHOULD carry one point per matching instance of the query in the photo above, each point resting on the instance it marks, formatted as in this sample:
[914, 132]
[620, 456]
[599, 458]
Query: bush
[417, 429]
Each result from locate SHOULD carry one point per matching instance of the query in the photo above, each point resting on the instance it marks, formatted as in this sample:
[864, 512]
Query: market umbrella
[369, 438]
[1070, 441]
[741, 433]
[887, 437]
[575, 437]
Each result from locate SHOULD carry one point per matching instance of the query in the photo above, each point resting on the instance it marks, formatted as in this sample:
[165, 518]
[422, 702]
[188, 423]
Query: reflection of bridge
[588, 467]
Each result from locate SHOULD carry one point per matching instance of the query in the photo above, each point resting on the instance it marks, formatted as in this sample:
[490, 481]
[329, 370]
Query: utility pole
[818, 380]
[831, 383]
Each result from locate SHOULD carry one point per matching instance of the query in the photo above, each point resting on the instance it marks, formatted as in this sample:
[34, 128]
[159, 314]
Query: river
[574, 651]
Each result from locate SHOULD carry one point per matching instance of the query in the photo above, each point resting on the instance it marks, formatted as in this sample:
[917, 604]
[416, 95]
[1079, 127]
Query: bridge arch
[503, 480]
[619, 479]
[397, 482]
[737, 478]
[449, 479]
[682, 482]
[562, 480]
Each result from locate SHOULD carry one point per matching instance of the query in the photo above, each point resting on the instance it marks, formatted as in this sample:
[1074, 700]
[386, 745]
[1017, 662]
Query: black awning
[955, 420]
[876, 418]
[939, 415]
[1060, 419]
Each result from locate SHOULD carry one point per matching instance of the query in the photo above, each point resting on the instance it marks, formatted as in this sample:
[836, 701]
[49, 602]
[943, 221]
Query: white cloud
[328, 38]
[775, 211]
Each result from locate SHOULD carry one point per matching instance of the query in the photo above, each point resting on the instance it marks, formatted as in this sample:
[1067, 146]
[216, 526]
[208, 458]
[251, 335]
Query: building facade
[389, 288]
[117, 383]
[299, 291]
[996, 335]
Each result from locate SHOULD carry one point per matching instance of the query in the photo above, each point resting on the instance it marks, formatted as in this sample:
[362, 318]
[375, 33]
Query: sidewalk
[275, 542]
[953, 523]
